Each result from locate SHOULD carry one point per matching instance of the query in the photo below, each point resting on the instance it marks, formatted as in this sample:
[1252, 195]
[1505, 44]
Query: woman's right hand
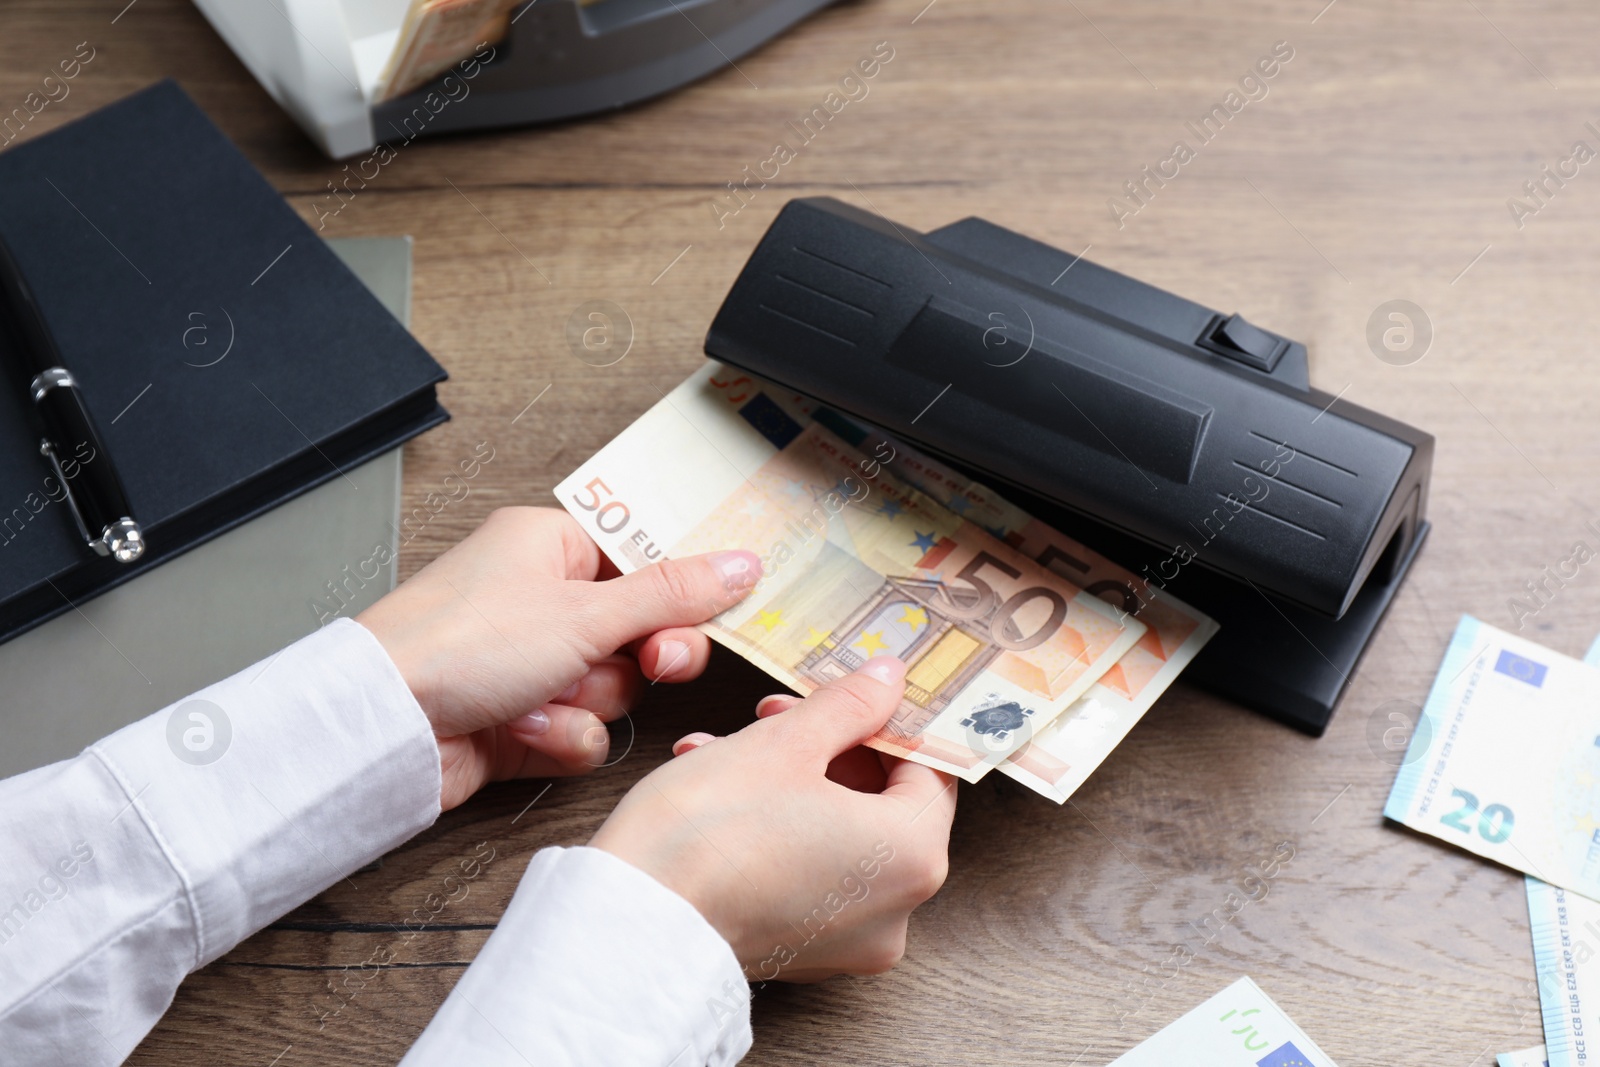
[804, 875]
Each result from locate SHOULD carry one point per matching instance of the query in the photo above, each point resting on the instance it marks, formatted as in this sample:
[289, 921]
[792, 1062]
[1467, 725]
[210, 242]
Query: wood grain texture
[1377, 166]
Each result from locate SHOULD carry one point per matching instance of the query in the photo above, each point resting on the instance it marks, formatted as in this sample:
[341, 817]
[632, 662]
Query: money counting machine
[565, 58]
[559, 59]
[1185, 444]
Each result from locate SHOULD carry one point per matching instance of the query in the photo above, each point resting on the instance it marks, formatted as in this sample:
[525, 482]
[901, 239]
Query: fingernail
[689, 742]
[535, 722]
[595, 738]
[770, 705]
[569, 694]
[671, 655]
[739, 570]
[886, 669]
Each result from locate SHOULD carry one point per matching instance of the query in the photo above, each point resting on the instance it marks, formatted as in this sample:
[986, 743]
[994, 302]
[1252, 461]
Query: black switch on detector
[1237, 339]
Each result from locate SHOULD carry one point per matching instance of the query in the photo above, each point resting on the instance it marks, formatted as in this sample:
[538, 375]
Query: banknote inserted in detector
[1184, 443]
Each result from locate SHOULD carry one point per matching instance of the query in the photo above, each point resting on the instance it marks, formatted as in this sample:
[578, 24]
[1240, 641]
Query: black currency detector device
[1185, 444]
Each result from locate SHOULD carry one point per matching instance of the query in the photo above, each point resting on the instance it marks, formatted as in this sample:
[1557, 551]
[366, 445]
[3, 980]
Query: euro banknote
[1566, 959]
[436, 33]
[1566, 944]
[1061, 756]
[1239, 1027]
[1528, 1057]
[1505, 759]
[856, 563]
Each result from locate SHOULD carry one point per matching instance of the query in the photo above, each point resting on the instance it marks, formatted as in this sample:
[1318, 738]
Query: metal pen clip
[100, 506]
[121, 539]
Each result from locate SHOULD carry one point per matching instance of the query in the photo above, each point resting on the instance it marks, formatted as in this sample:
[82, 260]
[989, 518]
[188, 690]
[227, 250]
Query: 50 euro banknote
[856, 563]
[1060, 756]
[434, 35]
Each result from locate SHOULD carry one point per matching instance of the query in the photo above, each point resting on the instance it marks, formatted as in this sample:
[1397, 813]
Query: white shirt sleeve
[164, 845]
[594, 962]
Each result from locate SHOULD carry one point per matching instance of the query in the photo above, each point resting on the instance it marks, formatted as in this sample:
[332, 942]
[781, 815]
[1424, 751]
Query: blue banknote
[1506, 759]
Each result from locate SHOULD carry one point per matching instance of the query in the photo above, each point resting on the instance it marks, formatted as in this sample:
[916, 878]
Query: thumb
[845, 712]
[672, 592]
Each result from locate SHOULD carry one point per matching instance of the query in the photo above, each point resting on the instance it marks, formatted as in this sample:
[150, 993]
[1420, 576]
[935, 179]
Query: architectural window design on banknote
[908, 617]
[902, 619]
[890, 572]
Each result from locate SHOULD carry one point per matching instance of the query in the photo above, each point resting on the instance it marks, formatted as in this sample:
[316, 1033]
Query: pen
[94, 492]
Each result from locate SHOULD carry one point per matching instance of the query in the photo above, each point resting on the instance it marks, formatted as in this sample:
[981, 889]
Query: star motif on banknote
[870, 643]
[924, 541]
[755, 507]
[959, 504]
[914, 617]
[770, 619]
[890, 508]
[814, 637]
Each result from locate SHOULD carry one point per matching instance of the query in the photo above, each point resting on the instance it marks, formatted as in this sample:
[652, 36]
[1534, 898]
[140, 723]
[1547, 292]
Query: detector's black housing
[1143, 424]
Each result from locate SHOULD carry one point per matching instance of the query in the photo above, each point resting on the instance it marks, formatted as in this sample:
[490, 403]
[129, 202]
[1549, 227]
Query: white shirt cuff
[272, 785]
[162, 846]
[594, 962]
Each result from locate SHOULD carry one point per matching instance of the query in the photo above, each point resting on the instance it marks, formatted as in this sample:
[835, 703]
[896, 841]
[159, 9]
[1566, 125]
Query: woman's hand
[519, 655]
[805, 851]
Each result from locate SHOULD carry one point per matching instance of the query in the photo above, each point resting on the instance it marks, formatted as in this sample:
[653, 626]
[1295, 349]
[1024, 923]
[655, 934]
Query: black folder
[228, 356]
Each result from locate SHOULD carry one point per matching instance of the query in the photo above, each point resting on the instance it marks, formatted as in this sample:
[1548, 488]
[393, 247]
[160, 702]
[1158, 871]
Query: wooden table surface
[1377, 166]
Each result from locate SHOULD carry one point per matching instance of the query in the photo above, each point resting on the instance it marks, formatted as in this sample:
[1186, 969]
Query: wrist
[681, 863]
[408, 649]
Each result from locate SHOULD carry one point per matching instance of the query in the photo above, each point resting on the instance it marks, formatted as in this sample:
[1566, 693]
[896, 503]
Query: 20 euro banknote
[855, 563]
[1239, 1027]
[1505, 759]
[1528, 1057]
[1566, 957]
